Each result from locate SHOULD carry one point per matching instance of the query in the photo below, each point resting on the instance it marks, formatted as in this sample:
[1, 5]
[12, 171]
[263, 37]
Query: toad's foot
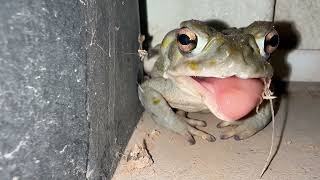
[192, 131]
[246, 128]
[191, 128]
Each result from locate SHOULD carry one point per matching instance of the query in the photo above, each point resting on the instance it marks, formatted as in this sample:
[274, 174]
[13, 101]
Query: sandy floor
[298, 157]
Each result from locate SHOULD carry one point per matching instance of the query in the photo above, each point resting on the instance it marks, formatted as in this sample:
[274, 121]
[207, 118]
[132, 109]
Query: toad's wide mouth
[228, 98]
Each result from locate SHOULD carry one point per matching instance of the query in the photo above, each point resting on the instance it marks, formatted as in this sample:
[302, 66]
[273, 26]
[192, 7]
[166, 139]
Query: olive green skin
[232, 52]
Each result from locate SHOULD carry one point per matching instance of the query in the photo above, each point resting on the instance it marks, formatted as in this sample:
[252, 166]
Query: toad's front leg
[161, 112]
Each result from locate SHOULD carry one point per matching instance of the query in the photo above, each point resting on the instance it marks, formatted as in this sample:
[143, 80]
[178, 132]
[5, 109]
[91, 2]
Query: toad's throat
[229, 98]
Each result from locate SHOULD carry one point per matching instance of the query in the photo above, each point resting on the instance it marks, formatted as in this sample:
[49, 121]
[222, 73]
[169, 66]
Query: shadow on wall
[289, 40]
[144, 24]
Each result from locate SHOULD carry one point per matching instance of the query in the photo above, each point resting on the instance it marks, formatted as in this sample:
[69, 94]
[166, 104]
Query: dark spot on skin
[193, 65]
[155, 101]
[237, 138]
[191, 142]
[212, 139]
[190, 139]
[212, 62]
[219, 125]
[224, 137]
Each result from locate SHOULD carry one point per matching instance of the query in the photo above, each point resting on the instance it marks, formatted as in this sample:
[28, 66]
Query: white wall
[164, 15]
[305, 17]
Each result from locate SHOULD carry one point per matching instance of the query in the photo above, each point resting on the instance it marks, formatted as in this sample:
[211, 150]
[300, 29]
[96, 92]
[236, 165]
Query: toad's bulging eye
[186, 39]
[271, 41]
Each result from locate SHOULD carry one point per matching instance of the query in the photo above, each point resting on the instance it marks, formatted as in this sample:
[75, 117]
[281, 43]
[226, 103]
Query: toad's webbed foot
[243, 129]
[192, 130]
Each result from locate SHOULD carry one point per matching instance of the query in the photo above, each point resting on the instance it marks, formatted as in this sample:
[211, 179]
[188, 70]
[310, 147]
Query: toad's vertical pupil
[184, 39]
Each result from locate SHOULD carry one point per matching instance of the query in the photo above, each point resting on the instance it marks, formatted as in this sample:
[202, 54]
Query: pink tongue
[233, 96]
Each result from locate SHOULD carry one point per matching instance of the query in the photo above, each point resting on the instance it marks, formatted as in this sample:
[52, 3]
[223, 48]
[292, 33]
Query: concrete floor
[298, 157]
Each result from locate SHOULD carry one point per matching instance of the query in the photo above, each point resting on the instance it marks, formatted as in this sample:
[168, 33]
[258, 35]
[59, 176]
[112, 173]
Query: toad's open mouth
[229, 98]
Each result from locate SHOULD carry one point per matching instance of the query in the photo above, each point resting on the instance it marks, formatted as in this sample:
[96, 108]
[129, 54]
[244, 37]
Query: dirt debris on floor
[139, 157]
[154, 133]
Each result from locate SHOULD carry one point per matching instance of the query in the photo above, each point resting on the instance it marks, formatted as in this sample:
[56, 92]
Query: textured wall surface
[112, 80]
[68, 73]
[165, 15]
[43, 125]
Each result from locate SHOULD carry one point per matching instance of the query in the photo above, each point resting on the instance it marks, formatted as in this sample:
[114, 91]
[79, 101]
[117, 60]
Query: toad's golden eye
[186, 39]
[271, 41]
